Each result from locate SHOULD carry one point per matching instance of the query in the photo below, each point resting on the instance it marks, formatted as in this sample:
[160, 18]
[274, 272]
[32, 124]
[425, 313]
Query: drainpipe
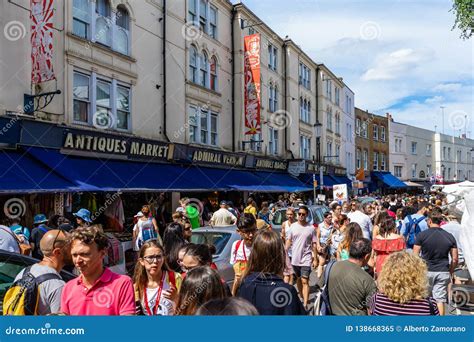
[285, 67]
[164, 74]
[233, 77]
[318, 147]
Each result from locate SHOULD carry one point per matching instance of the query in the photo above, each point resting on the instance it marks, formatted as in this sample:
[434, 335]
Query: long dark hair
[140, 278]
[268, 254]
[387, 226]
[173, 241]
[200, 252]
[200, 285]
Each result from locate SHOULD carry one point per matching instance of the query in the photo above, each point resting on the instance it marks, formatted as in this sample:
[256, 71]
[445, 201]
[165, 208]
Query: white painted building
[348, 132]
[398, 151]
[454, 158]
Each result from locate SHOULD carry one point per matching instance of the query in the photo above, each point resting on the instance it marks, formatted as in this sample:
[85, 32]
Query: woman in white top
[156, 287]
[145, 229]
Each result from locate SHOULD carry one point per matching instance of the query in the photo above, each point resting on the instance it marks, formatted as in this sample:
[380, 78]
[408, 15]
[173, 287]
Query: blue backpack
[412, 230]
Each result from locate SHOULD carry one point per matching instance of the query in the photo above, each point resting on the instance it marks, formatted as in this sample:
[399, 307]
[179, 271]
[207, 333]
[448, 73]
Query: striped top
[381, 305]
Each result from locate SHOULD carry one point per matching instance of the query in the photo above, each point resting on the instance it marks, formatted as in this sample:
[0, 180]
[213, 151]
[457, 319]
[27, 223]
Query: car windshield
[218, 239]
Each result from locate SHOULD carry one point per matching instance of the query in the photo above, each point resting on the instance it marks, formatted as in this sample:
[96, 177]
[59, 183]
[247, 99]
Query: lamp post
[318, 127]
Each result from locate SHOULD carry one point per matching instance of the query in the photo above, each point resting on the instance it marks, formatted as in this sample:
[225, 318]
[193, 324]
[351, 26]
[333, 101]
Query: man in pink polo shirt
[97, 291]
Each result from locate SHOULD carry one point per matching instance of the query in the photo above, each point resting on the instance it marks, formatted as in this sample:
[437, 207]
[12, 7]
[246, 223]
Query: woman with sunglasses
[156, 286]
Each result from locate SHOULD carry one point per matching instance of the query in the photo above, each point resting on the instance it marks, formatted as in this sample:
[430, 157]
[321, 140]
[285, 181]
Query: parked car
[222, 238]
[315, 216]
[11, 264]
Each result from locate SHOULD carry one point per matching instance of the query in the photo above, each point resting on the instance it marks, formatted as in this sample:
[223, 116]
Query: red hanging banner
[42, 13]
[252, 84]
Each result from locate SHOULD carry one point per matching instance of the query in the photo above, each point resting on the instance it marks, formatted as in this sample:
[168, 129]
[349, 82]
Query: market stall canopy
[20, 173]
[413, 184]
[388, 179]
[104, 174]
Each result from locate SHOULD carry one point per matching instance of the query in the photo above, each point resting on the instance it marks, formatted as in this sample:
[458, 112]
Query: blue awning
[19, 173]
[388, 179]
[116, 175]
[342, 180]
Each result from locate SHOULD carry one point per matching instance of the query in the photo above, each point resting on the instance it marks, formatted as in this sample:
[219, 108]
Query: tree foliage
[464, 10]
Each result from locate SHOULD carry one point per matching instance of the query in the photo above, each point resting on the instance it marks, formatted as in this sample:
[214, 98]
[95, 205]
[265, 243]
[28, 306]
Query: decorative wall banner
[252, 102]
[42, 14]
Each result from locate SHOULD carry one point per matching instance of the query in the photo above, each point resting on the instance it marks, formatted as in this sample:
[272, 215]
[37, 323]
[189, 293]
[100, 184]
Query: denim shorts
[302, 271]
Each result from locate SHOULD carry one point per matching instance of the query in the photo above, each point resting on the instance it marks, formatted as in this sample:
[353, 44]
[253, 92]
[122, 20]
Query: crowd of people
[395, 255]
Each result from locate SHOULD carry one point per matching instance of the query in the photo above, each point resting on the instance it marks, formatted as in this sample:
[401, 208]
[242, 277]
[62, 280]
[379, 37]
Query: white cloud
[394, 65]
[434, 99]
[447, 87]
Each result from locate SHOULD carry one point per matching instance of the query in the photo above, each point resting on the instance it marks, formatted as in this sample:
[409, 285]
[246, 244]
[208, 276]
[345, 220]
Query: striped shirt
[381, 305]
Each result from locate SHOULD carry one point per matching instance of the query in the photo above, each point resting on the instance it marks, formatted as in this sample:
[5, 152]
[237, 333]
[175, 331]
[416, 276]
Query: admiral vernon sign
[134, 148]
[211, 157]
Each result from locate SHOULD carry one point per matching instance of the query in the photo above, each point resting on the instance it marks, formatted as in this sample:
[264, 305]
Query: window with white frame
[329, 89]
[382, 162]
[304, 76]
[458, 156]
[213, 71]
[413, 170]
[449, 154]
[111, 28]
[428, 149]
[365, 128]
[358, 159]
[428, 170]
[449, 173]
[358, 126]
[273, 141]
[398, 171]
[376, 132]
[203, 126]
[329, 119]
[305, 147]
[272, 57]
[202, 14]
[366, 160]
[111, 107]
[338, 123]
[337, 93]
[202, 69]
[399, 145]
[328, 148]
[203, 66]
[444, 152]
[413, 147]
[256, 145]
[305, 108]
[382, 133]
[375, 161]
[213, 22]
[272, 98]
[337, 153]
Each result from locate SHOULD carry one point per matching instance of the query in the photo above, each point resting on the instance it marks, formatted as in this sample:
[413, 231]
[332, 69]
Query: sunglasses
[153, 258]
[302, 214]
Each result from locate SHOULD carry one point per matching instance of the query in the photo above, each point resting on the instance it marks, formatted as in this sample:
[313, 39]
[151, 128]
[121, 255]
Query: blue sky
[398, 56]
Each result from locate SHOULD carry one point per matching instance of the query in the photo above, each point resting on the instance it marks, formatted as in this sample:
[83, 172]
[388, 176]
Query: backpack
[24, 247]
[322, 306]
[22, 297]
[412, 230]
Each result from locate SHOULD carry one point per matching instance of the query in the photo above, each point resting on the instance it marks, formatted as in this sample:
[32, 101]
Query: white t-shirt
[223, 217]
[364, 222]
[166, 307]
[243, 252]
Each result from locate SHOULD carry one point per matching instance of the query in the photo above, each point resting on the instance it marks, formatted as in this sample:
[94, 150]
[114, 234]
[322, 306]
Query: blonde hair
[403, 277]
